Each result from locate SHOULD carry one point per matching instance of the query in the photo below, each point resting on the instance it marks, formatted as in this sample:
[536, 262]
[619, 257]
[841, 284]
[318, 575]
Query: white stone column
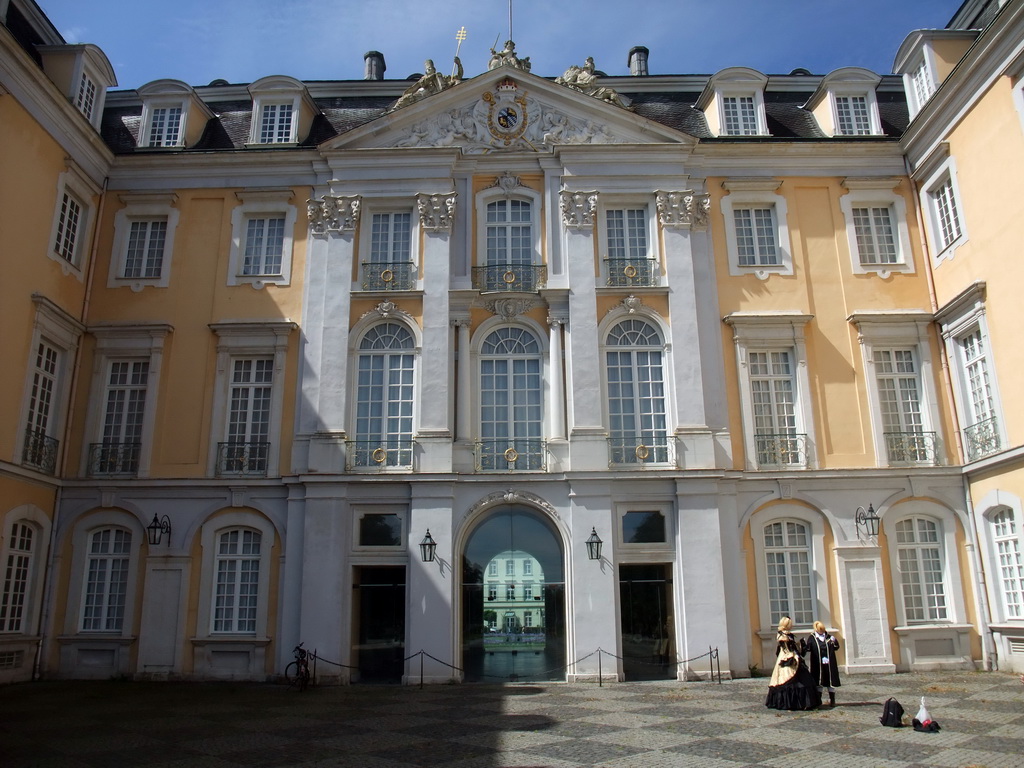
[430, 587]
[464, 417]
[556, 402]
[701, 604]
[588, 445]
[679, 213]
[326, 326]
[434, 435]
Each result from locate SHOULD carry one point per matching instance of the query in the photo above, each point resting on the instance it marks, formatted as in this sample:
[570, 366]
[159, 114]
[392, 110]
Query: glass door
[379, 610]
[648, 629]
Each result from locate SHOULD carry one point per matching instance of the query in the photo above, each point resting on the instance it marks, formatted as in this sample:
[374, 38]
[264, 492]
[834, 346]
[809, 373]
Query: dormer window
[844, 103]
[83, 74]
[733, 103]
[173, 116]
[926, 58]
[282, 111]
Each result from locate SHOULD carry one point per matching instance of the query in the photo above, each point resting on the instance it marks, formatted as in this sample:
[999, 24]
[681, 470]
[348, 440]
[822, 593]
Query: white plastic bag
[922, 714]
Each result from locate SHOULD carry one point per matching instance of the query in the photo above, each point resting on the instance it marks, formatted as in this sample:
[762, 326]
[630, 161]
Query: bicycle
[297, 672]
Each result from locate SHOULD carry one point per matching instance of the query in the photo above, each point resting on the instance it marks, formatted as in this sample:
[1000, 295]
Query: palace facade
[511, 375]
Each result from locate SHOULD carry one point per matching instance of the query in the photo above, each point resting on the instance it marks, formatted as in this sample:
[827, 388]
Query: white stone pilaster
[463, 418]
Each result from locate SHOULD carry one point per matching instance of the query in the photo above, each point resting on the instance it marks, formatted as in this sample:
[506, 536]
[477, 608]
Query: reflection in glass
[380, 531]
[513, 599]
[643, 528]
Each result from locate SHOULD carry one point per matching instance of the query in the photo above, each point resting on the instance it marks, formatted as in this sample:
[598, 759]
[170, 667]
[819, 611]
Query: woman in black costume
[792, 686]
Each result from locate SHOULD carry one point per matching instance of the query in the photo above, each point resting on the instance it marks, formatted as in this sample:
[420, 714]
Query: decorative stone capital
[333, 214]
[437, 212]
[578, 209]
[686, 209]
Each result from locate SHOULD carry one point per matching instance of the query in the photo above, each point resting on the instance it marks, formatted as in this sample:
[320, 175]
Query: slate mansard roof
[344, 105]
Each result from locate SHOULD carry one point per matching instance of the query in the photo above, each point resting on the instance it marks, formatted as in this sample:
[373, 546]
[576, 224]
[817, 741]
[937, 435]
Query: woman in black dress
[822, 648]
[791, 686]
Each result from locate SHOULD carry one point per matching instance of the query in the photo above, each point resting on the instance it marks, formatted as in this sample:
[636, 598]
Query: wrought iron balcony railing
[40, 451]
[781, 450]
[510, 454]
[388, 276]
[114, 458]
[982, 439]
[632, 273]
[910, 447]
[242, 458]
[513, 278]
[391, 453]
[639, 449]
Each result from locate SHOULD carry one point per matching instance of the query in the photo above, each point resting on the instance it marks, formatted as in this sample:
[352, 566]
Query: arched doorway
[513, 598]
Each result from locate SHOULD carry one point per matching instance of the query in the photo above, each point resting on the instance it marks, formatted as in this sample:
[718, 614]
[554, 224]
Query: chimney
[375, 65]
[638, 61]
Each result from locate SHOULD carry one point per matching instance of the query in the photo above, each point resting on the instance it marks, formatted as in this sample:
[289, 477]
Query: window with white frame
[492, 591]
[528, 567]
[510, 232]
[940, 198]
[634, 367]
[1006, 541]
[787, 557]
[165, 126]
[511, 401]
[18, 575]
[510, 592]
[756, 229]
[899, 395]
[876, 226]
[980, 405]
[123, 418]
[492, 568]
[510, 567]
[70, 224]
[236, 596]
[86, 98]
[276, 123]
[771, 358]
[739, 114]
[72, 221]
[40, 450]
[733, 102]
[248, 399]
[919, 551]
[922, 85]
[875, 233]
[143, 241]
[853, 117]
[263, 228]
[628, 245]
[385, 391]
[388, 262]
[106, 582]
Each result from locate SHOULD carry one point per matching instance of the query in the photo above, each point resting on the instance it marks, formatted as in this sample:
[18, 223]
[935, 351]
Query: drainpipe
[989, 653]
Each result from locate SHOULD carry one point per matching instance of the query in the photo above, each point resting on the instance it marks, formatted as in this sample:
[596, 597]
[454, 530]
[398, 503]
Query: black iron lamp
[158, 528]
[594, 544]
[867, 520]
[427, 548]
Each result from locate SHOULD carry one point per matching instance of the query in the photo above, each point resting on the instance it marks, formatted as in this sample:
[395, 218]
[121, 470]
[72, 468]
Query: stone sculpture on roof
[507, 57]
[430, 82]
[584, 79]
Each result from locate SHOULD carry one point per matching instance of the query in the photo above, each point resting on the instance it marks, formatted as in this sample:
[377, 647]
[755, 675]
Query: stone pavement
[555, 725]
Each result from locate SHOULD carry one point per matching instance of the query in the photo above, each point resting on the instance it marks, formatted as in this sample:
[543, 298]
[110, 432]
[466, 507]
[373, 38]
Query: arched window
[384, 398]
[511, 416]
[636, 393]
[787, 554]
[18, 576]
[237, 585]
[1011, 572]
[920, 562]
[106, 583]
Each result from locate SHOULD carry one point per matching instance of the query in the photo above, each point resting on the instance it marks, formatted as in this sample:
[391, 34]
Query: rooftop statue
[584, 79]
[430, 83]
[507, 57]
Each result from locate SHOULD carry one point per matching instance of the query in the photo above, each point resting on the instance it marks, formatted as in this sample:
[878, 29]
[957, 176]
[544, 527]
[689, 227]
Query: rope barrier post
[421, 670]
[600, 673]
[314, 666]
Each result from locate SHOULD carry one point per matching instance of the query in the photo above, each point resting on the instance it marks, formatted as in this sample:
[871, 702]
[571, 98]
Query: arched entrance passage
[513, 598]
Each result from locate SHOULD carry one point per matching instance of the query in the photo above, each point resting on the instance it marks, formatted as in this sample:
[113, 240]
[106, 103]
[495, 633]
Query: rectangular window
[643, 528]
[528, 591]
[251, 384]
[123, 416]
[787, 551]
[276, 124]
[69, 225]
[165, 126]
[876, 239]
[527, 567]
[238, 573]
[492, 568]
[755, 237]
[773, 398]
[40, 448]
[921, 570]
[627, 233]
[17, 578]
[264, 246]
[510, 591]
[1011, 567]
[979, 388]
[946, 213]
[86, 100]
[145, 255]
[740, 115]
[391, 237]
[922, 82]
[899, 398]
[492, 592]
[852, 116]
[510, 567]
[106, 585]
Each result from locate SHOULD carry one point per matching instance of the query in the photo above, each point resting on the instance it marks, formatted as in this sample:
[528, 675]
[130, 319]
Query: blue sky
[242, 40]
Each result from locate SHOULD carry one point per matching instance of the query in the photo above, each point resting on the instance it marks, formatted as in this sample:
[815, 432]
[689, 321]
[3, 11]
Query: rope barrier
[712, 655]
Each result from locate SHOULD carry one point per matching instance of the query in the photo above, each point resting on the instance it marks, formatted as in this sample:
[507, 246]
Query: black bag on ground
[892, 713]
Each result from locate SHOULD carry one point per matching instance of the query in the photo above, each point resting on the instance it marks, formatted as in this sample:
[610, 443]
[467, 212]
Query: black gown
[824, 674]
[792, 686]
